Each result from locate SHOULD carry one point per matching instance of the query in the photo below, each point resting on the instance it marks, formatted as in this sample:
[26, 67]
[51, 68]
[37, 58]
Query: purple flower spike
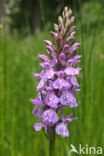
[58, 79]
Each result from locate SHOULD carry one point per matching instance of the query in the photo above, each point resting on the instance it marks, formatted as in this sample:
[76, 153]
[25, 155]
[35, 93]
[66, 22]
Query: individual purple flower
[40, 85]
[67, 98]
[58, 79]
[37, 101]
[37, 126]
[72, 80]
[61, 127]
[72, 71]
[48, 71]
[74, 61]
[36, 112]
[51, 99]
[50, 117]
[60, 83]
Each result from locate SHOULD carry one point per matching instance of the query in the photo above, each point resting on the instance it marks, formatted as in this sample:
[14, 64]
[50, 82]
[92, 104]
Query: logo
[86, 149]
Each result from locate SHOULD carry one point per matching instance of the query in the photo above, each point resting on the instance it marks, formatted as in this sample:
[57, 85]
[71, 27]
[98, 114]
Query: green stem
[52, 145]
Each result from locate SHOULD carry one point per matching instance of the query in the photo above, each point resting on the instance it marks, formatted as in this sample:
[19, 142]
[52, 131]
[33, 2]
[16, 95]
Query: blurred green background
[24, 24]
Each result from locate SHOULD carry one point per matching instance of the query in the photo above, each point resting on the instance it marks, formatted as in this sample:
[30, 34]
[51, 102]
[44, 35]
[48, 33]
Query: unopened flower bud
[70, 12]
[67, 15]
[66, 9]
[48, 42]
[59, 40]
[63, 14]
[66, 47]
[60, 26]
[49, 49]
[70, 39]
[56, 27]
[68, 22]
[53, 34]
[73, 28]
[62, 58]
[60, 20]
[72, 19]
[63, 31]
[43, 57]
[60, 74]
[73, 50]
[76, 44]
[73, 33]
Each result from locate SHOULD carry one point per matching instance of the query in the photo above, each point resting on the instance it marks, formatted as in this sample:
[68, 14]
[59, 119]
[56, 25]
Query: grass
[18, 61]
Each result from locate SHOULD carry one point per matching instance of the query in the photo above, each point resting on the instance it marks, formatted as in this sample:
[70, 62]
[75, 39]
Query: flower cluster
[57, 80]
